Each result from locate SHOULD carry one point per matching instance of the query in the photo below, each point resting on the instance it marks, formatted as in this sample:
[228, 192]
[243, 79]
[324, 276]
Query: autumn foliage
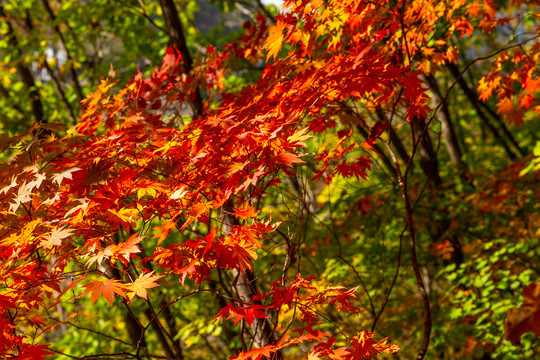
[145, 198]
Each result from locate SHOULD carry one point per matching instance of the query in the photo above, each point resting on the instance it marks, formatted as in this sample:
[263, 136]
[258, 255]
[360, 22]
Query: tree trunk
[177, 39]
[25, 73]
[430, 167]
[245, 287]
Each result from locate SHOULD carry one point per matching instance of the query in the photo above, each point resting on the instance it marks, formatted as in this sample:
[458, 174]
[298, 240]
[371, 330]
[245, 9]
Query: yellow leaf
[274, 41]
[145, 281]
[299, 137]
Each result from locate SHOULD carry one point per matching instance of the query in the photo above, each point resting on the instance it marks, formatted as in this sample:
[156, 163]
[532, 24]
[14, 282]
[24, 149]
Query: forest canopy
[336, 179]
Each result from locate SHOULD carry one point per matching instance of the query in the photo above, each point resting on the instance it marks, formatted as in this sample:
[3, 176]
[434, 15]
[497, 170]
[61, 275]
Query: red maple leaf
[238, 313]
[364, 347]
[33, 352]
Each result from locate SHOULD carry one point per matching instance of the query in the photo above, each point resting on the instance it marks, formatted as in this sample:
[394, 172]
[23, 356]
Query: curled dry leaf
[526, 318]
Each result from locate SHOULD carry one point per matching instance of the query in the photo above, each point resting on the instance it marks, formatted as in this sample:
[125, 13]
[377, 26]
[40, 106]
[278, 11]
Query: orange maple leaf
[106, 288]
[274, 41]
[128, 247]
[266, 351]
[141, 284]
[255, 354]
[163, 230]
[288, 159]
[505, 106]
[245, 211]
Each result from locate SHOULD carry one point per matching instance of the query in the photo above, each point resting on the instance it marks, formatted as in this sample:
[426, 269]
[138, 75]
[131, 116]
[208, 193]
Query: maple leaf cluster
[94, 210]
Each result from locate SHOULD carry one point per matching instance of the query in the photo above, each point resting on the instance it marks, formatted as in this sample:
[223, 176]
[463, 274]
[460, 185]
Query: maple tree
[202, 211]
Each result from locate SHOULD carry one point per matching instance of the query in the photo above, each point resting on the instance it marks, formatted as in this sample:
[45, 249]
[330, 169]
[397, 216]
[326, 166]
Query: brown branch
[166, 308]
[261, 7]
[450, 139]
[97, 333]
[394, 139]
[364, 133]
[161, 333]
[424, 142]
[60, 91]
[76, 84]
[478, 105]
[5, 93]
[414, 260]
[150, 314]
[144, 14]
[362, 283]
[392, 284]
